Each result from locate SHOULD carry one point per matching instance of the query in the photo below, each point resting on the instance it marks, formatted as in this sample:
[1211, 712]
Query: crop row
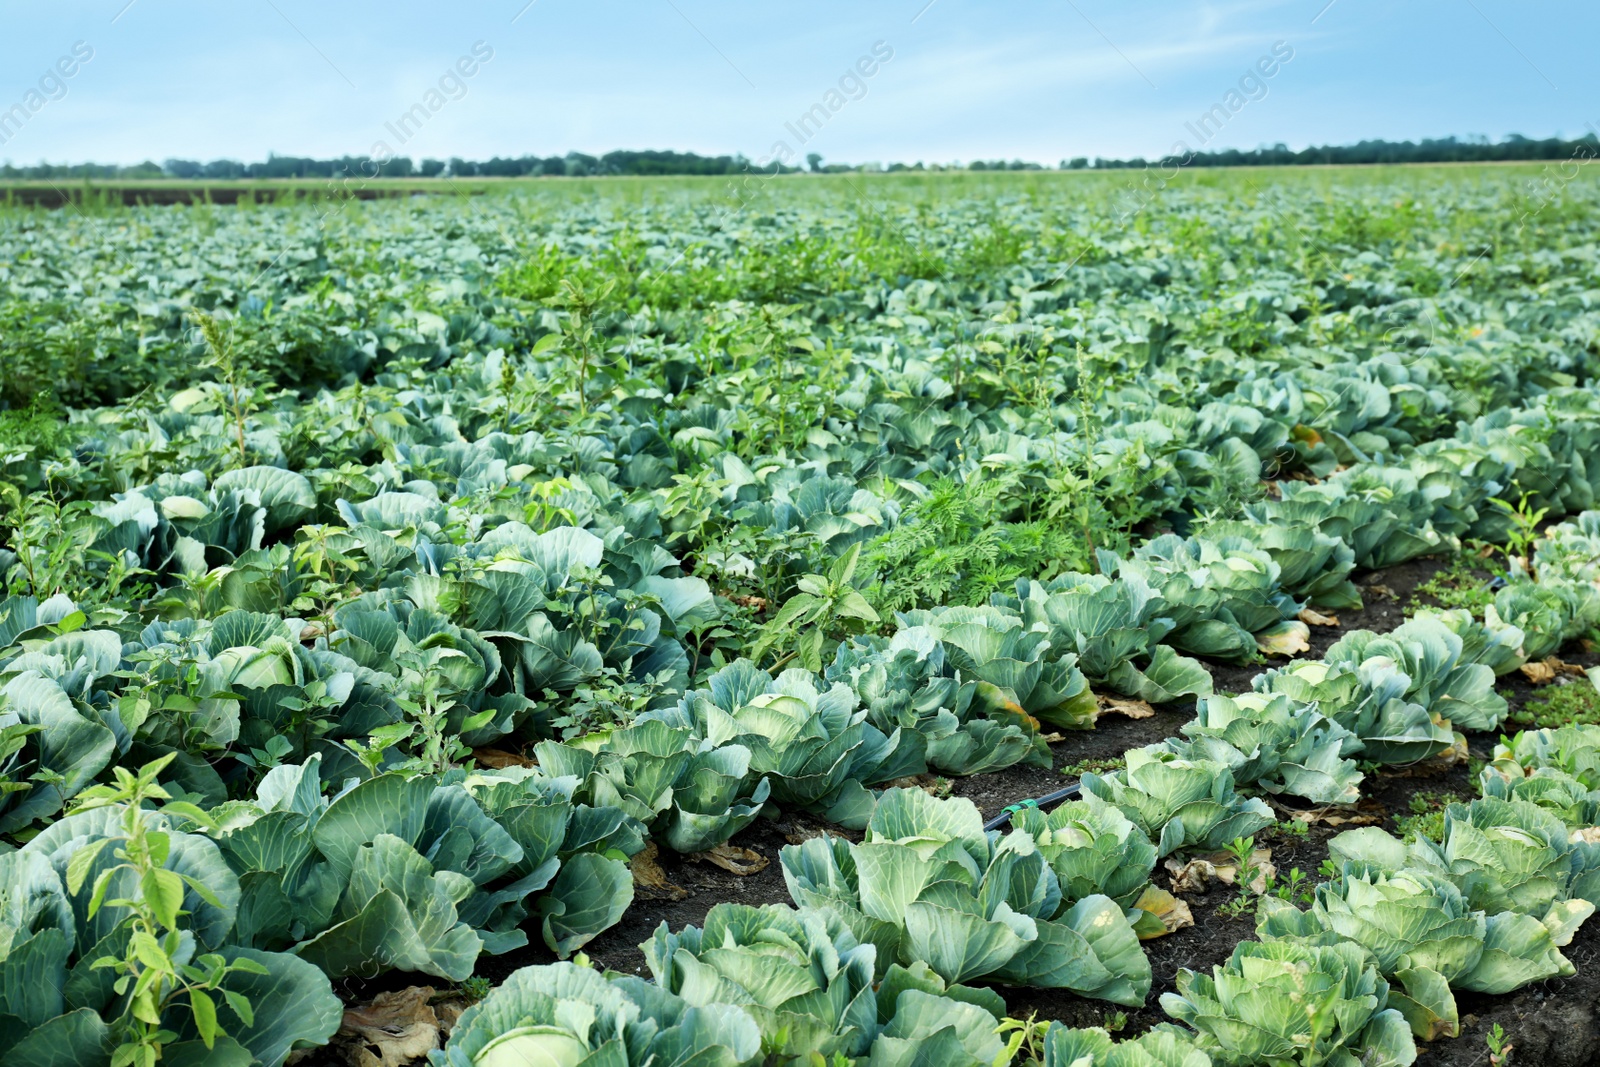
[658, 568]
[423, 872]
[885, 929]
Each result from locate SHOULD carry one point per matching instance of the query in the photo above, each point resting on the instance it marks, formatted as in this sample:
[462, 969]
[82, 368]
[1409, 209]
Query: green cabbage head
[1092, 848]
[929, 884]
[565, 1015]
[1421, 931]
[1181, 804]
[1281, 1003]
[1094, 1047]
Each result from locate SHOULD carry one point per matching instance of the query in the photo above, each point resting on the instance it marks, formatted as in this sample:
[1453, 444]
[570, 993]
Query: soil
[706, 884]
[1554, 1023]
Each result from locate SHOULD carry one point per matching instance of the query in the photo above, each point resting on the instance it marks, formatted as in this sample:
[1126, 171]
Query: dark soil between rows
[1553, 1023]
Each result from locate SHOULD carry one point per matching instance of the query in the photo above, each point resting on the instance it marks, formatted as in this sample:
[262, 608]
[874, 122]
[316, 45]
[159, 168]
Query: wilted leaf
[1539, 672]
[931, 784]
[1133, 709]
[395, 1029]
[1288, 638]
[1316, 618]
[449, 1012]
[499, 759]
[650, 880]
[1198, 873]
[1336, 817]
[1456, 753]
[1306, 434]
[1547, 670]
[1172, 913]
[798, 831]
[735, 860]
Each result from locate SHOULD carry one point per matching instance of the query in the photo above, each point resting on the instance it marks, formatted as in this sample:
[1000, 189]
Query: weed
[578, 330]
[609, 699]
[1524, 520]
[1499, 1047]
[1463, 584]
[826, 606]
[157, 970]
[1094, 766]
[1242, 850]
[1235, 908]
[475, 988]
[1024, 1040]
[946, 549]
[30, 435]
[1560, 705]
[1427, 817]
[1295, 887]
[232, 373]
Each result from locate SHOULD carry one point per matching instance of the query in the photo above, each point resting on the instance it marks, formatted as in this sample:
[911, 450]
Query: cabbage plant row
[1060, 899]
[708, 519]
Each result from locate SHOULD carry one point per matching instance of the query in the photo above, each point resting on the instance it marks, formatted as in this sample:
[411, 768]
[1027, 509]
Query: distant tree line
[579, 164]
[1429, 150]
[573, 164]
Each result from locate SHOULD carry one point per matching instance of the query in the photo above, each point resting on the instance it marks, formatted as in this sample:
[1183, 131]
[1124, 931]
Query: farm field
[642, 612]
[357, 185]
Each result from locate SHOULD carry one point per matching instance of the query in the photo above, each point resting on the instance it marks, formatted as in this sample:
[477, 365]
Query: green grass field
[958, 184]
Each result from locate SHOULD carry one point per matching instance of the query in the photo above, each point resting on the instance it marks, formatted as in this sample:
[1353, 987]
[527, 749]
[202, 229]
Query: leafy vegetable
[1368, 700]
[1431, 655]
[808, 982]
[1092, 849]
[1420, 931]
[814, 746]
[1278, 1001]
[928, 884]
[966, 725]
[1067, 1047]
[1504, 855]
[570, 1016]
[1180, 803]
[1273, 742]
[1219, 594]
[419, 874]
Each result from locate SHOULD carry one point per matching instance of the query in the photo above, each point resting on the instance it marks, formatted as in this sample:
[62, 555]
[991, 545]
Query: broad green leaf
[292, 1006]
[77, 1039]
[588, 896]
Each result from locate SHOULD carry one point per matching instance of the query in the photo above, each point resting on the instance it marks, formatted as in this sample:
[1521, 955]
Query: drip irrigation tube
[1048, 800]
[1051, 799]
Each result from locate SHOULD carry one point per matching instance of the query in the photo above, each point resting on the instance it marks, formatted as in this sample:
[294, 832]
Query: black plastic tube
[1048, 800]
[1052, 799]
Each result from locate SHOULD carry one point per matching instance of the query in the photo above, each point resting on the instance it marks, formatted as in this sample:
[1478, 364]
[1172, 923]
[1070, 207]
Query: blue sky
[1035, 79]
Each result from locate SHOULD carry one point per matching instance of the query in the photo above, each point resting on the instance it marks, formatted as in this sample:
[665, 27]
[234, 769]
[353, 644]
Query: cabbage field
[647, 615]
